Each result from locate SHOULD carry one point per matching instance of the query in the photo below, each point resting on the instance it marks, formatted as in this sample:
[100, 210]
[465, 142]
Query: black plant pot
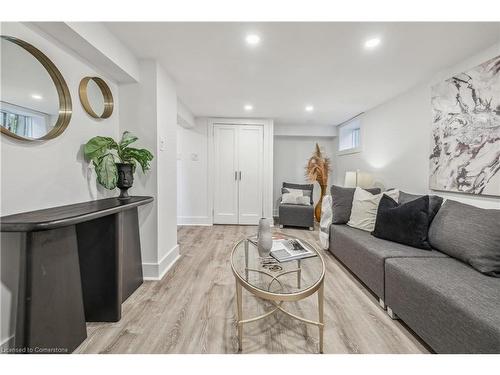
[125, 179]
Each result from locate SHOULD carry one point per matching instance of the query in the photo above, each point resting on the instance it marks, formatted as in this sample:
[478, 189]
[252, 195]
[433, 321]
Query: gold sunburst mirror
[96, 97]
[35, 103]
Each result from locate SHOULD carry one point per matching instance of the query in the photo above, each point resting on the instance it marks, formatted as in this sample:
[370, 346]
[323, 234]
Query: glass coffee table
[277, 282]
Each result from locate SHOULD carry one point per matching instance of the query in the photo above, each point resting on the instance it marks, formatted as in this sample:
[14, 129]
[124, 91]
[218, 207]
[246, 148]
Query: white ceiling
[323, 64]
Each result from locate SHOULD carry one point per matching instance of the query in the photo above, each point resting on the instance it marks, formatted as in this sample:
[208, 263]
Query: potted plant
[115, 162]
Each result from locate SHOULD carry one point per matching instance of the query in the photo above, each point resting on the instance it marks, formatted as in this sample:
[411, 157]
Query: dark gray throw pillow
[435, 202]
[406, 223]
[470, 234]
[342, 202]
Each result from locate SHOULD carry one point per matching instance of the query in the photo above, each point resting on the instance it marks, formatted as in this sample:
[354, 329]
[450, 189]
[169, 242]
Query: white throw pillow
[365, 206]
[303, 200]
[325, 222]
[289, 198]
[296, 192]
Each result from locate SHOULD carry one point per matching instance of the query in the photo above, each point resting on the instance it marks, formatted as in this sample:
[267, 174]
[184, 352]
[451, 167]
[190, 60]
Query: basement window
[350, 137]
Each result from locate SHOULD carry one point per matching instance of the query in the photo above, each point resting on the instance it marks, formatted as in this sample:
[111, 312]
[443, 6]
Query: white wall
[194, 187]
[168, 249]
[97, 44]
[308, 130]
[192, 172]
[139, 108]
[291, 154]
[396, 139]
[149, 110]
[51, 173]
[184, 116]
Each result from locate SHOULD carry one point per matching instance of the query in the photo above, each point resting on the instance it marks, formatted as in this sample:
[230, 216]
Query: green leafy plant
[104, 153]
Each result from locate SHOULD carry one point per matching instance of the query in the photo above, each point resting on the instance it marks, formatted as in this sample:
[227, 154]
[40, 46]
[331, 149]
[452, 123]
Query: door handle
[240, 176]
[235, 176]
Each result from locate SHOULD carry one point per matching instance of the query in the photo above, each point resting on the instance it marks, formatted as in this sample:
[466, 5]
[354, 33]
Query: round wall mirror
[96, 97]
[35, 103]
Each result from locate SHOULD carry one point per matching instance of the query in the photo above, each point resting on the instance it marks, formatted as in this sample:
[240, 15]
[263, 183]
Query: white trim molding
[194, 220]
[156, 271]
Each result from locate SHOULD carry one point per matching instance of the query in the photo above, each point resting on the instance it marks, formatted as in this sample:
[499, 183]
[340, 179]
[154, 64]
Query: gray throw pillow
[435, 202]
[342, 202]
[470, 234]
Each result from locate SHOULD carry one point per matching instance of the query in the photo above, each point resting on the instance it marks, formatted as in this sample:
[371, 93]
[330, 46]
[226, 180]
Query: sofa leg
[391, 313]
[311, 228]
[382, 303]
[281, 226]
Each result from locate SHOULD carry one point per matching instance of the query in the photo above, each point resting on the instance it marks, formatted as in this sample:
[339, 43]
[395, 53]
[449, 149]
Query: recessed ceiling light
[36, 96]
[309, 108]
[372, 43]
[248, 107]
[252, 39]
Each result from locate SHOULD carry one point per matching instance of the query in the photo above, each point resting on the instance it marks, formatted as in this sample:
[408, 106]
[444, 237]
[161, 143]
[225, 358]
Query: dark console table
[78, 263]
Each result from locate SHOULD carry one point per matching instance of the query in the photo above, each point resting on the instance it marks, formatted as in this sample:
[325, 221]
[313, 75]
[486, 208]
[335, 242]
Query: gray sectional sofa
[449, 304]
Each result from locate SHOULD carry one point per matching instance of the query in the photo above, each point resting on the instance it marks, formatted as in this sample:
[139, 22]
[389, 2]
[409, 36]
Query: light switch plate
[163, 143]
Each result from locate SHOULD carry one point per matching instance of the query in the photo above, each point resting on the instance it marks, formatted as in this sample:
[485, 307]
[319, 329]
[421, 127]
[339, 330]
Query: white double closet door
[238, 177]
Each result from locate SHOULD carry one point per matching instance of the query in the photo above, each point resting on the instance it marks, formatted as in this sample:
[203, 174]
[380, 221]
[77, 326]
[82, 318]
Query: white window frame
[351, 125]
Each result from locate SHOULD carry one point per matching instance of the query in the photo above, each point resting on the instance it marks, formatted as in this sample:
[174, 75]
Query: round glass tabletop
[268, 275]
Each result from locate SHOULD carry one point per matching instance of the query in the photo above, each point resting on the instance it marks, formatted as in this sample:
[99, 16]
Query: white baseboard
[156, 271]
[194, 220]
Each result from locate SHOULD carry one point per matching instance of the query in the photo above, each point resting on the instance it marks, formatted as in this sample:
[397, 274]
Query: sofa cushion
[435, 202]
[451, 306]
[470, 234]
[406, 223]
[342, 202]
[365, 207]
[365, 255]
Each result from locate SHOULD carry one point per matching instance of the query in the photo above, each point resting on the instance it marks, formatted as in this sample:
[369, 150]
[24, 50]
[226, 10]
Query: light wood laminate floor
[192, 309]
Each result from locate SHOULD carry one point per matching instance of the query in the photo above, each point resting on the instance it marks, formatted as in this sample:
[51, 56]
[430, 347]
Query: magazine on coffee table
[284, 250]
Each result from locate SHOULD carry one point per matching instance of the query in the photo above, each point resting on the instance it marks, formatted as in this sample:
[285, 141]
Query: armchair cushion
[296, 215]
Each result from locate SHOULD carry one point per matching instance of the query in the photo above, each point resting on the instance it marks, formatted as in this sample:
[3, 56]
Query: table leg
[240, 314]
[321, 298]
[246, 260]
[298, 273]
[51, 312]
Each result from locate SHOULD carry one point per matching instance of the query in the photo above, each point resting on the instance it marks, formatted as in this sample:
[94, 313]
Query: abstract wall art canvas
[465, 144]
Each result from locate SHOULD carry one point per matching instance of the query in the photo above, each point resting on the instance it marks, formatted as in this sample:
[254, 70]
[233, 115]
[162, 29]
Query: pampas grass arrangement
[318, 168]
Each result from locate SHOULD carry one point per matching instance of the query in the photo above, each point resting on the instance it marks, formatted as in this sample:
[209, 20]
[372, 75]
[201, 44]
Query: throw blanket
[326, 220]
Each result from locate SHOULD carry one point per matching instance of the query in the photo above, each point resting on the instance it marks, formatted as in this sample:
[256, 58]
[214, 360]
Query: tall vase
[125, 179]
[317, 209]
[264, 237]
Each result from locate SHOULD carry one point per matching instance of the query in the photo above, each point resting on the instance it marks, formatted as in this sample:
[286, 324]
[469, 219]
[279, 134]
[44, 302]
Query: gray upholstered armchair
[297, 215]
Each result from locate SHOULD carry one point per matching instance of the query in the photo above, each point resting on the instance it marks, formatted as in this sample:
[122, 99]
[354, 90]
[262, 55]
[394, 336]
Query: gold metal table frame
[277, 299]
